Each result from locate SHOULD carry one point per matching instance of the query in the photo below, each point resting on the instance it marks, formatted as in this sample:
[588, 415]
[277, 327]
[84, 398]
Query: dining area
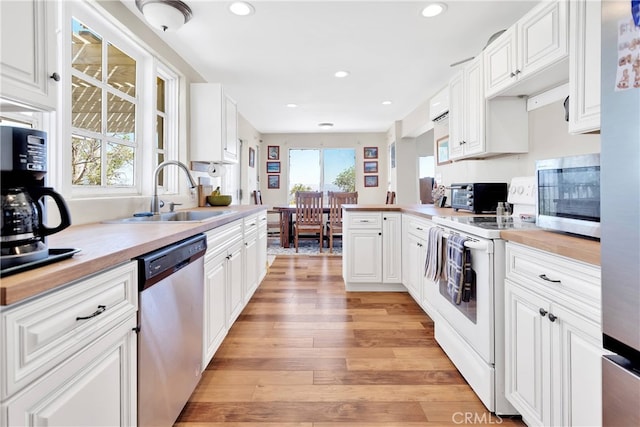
[313, 216]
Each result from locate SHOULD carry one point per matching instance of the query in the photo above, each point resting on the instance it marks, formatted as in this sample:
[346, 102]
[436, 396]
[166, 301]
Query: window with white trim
[121, 119]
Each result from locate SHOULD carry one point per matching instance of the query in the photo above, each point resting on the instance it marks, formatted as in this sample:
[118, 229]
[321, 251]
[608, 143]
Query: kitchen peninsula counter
[580, 249]
[107, 245]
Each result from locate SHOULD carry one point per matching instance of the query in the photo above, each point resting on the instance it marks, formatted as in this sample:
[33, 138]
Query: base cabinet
[553, 344]
[372, 254]
[415, 240]
[69, 357]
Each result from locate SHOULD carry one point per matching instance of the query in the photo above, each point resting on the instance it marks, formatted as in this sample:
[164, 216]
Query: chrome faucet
[155, 204]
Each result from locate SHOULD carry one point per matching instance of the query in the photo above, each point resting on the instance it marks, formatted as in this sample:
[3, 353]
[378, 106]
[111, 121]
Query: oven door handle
[474, 244]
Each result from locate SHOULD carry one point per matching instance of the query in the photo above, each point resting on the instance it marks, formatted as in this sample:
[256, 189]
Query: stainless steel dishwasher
[171, 283]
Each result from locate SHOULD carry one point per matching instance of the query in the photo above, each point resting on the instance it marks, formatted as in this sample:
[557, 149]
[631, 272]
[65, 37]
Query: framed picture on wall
[442, 150]
[371, 180]
[273, 152]
[273, 181]
[273, 167]
[252, 157]
[370, 152]
[371, 167]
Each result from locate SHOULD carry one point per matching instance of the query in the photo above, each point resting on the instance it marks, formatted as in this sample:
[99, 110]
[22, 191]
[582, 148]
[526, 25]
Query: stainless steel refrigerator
[620, 212]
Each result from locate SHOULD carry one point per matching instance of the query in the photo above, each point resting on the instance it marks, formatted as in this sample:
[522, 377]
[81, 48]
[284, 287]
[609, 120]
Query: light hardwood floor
[306, 353]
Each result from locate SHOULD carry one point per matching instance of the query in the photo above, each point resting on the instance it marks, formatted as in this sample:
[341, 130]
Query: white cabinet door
[413, 254]
[215, 307]
[584, 66]
[28, 46]
[579, 378]
[214, 127]
[230, 149]
[542, 37]
[364, 260]
[251, 266]
[392, 248]
[96, 387]
[456, 116]
[475, 108]
[235, 294]
[500, 62]
[527, 355]
[262, 248]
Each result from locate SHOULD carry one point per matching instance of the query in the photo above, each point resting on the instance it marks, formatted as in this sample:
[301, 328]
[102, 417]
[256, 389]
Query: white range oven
[472, 332]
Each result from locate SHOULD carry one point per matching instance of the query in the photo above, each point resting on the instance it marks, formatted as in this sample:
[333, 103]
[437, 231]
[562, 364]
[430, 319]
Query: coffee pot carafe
[22, 229]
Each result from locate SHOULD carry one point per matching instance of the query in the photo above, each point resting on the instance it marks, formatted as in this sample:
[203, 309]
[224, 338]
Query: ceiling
[288, 51]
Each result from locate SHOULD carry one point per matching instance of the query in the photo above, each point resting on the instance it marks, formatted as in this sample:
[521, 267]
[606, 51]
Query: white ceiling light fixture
[165, 15]
[341, 74]
[387, 102]
[434, 9]
[241, 8]
[325, 125]
[292, 105]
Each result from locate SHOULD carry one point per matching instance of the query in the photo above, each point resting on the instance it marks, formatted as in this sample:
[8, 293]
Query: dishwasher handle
[162, 263]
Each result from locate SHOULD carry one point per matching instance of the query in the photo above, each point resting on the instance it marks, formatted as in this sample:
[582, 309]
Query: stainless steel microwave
[569, 194]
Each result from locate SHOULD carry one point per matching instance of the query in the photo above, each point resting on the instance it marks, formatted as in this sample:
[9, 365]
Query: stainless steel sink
[179, 216]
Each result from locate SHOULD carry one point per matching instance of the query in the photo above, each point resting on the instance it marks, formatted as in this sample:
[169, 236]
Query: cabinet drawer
[251, 224]
[418, 227]
[364, 220]
[221, 237]
[262, 221]
[43, 332]
[544, 271]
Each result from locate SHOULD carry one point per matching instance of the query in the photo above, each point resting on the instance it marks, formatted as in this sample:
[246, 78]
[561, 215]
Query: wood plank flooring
[305, 353]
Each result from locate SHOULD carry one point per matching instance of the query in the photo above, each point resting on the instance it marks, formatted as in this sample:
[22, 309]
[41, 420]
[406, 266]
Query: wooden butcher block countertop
[104, 246]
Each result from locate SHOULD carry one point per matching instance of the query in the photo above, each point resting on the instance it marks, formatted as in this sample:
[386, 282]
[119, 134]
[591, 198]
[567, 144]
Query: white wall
[548, 138]
[368, 195]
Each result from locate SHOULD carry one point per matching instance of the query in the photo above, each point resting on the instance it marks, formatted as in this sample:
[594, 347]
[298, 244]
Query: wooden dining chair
[308, 223]
[273, 225]
[391, 198]
[334, 224]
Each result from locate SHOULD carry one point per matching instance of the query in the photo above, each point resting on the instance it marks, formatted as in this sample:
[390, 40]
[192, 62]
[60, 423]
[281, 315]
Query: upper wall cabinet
[214, 124]
[536, 45]
[28, 71]
[479, 128]
[584, 66]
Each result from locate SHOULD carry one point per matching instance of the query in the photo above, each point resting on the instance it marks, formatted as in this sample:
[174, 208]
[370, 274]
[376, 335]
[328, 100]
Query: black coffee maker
[23, 166]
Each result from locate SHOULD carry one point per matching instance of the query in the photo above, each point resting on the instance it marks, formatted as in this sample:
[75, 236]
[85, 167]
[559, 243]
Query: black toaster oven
[478, 197]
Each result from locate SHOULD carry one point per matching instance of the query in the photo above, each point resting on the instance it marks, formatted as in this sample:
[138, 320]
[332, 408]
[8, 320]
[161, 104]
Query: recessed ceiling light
[292, 105]
[434, 9]
[241, 8]
[325, 125]
[341, 74]
[386, 103]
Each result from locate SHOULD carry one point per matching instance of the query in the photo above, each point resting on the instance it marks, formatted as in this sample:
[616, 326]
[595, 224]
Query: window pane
[121, 118]
[304, 171]
[86, 105]
[86, 50]
[160, 132]
[339, 167]
[85, 158]
[161, 174]
[160, 95]
[120, 164]
[121, 70]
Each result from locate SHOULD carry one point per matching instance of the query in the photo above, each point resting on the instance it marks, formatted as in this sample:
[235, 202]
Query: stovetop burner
[55, 255]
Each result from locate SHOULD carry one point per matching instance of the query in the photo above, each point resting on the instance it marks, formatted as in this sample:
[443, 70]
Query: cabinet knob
[518, 72]
[379, 234]
[552, 318]
[543, 312]
[512, 74]
[55, 77]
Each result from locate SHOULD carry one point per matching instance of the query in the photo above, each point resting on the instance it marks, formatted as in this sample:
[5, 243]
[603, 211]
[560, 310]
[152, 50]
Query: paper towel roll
[216, 170]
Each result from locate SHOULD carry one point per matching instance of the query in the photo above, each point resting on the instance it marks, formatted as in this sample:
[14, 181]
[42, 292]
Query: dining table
[286, 222]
